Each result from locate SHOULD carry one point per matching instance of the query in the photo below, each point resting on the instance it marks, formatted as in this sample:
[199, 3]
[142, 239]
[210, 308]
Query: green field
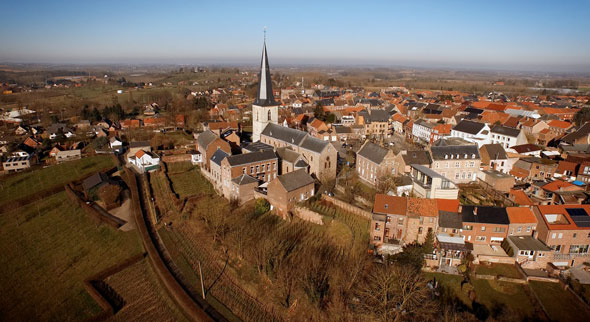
[560, 304]
[28, 183]
[49, 248]
[190, 183]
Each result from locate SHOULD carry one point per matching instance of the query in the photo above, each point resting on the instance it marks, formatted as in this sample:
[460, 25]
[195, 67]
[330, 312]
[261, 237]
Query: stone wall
[348, 207]
[308, 215]
[176, 158]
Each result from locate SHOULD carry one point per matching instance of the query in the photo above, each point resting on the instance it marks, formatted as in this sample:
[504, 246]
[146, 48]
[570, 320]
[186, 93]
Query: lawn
[49, 248]
[560, 304]
[190, 183]
[495, 269]
[451, 285]
[29, 183]
[177, 167]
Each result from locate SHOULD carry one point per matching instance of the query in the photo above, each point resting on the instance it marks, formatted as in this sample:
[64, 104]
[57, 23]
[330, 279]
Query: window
[400, 221]
[431, 220]
[554, 234]
[480, 238]
[483, 228]
[499, 229]
[377, 226]
[386, 206]
[467, 227]
[575, 235]
[252, 169]
[457, 164]
[388, 219]
[519, 229]
[244, 170]
[269, 116]
[377, 238]
[579, 249]
[528, 229]
[560, 235]
[420, 230]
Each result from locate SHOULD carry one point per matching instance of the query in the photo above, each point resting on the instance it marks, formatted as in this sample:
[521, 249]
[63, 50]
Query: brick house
[207, 144]
[580, 136]
[262, 165]
[566, 230]
[389, 221]
[373, 162]
[534, 168]
[528, 251]
[484, 225]
[242, 188]
[522, 221]
[287, 189]
[215, 168]
[422, 218]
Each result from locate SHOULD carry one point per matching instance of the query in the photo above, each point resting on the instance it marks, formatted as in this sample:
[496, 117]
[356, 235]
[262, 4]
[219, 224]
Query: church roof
[264, 97]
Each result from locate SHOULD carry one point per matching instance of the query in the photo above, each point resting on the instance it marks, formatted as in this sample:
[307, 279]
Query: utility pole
[202, 285]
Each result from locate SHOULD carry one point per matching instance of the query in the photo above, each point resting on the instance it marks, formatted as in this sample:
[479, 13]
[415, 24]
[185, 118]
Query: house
[422, 219]
[145, 161]
[560, 127]
[529, 252]
[497, 180]
[495, 157]
[287, 189]
[196, 157]
[17, 163]
[422, 131]
[389, 220]
[68, 155]
[215, 169]
[522, 221]
[135, 146]
[116, 144]
[93, 183]
[431, 185]
[484, 225]
[450, 245]
[580, 136]
[376, 122]
[526, 149]
[261, 165]
[565, 229]
[471, 131]
[398, 122]
[320, 155]
[568, 170]
[373, 162]
[207, 144]
[404, 159]
[456, 159]
[506, 136]
[290, 160]
[242, 188]
[533, 168]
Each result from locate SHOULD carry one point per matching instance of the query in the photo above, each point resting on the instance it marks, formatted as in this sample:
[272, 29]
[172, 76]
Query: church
[265, 109]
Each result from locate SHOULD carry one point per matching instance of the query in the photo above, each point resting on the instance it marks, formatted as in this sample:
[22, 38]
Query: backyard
[560, 304]
[26, 184]
[49, 247]
[495, 269]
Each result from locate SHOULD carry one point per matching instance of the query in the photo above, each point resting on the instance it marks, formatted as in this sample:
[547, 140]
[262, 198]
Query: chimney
[475, 211]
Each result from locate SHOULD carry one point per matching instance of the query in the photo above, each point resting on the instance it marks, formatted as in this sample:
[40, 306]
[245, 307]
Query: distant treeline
[30, 77]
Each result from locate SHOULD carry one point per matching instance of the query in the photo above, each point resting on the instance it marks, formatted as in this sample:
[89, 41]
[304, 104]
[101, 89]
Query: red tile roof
[448, 205]
[521, 198]
[520, 215]
[392, 205]
[422, 207]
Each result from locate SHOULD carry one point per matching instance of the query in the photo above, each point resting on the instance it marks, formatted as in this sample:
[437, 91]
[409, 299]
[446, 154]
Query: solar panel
[579, 216]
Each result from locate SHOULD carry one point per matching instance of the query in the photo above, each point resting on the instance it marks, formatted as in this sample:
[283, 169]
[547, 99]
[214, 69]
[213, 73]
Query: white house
[116, 144]
[422, 130]
[196, 157]
[145, 160]
[507, 136]
[471, 131]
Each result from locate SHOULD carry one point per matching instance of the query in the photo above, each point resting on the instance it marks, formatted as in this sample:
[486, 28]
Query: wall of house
[218, 143]
[526, 229]
[489, 232]
[458, 170]
[282, 200]
[418, 228]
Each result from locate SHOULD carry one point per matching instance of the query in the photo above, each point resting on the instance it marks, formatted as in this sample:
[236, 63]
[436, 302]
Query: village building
[207, 144]
[456, 160]
[287, 189]
[261, 165]
[373, 162]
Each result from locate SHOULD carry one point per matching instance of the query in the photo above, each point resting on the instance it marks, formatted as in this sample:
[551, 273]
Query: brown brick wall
[471, 235]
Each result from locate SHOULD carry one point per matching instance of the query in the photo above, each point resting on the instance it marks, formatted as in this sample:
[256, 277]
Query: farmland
[144, 299]
[29, 183]
[49, 247]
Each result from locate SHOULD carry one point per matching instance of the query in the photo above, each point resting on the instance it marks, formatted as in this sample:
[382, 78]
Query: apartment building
[431, 185]
[262, 165]
[456, 159]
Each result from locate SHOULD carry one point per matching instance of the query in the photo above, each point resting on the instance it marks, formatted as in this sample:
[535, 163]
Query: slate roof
[457, 151]
[245, 158]
[94, 180]
[417, 157]
[205, 138]
[470, 127]
[528, 243]
[373, 152]
[258, 146]
[504, 130]
[285, 134]
[378, 116]
[485, 215]
[495, 151]
[244, 179]
[581, 132]
[218, 156]
[448, 219]
[138, 144]
[265, 96]
[295, 180]
[313, 144]
[287, 154]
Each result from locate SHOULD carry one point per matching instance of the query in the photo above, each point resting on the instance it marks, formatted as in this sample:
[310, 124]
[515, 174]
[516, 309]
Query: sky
[508, 35]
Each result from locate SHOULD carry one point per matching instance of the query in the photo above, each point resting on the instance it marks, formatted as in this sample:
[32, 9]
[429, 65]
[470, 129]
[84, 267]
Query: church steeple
[264, 97]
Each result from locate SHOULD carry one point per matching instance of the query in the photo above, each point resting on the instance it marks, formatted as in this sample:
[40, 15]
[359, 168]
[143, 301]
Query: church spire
[264, 97]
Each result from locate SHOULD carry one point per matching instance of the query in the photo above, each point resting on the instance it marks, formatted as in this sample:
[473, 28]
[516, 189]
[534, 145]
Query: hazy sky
[523, 35]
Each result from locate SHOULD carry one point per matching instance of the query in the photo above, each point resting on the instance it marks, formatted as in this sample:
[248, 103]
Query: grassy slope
[505, 270]
[28, 183]
[48, 248]
[190, 183]
[559, 303]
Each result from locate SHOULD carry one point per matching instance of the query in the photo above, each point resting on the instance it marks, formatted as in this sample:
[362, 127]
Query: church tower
[264, 109]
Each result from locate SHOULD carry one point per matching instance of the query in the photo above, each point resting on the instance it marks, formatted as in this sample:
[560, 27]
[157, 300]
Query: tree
[412, 256]
[109, 194]
[394, 293]
[85, 112]
[261, 206]
[582, 116]
[428, 245]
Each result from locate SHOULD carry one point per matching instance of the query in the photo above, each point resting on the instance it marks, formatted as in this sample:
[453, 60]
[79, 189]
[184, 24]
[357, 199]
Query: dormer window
[457, 155]
[452, 156]
[465, 156]
[446, 156]
[473, 156]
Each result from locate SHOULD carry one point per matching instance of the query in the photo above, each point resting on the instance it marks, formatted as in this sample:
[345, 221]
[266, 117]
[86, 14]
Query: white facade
[507, 141]
[262, 115]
